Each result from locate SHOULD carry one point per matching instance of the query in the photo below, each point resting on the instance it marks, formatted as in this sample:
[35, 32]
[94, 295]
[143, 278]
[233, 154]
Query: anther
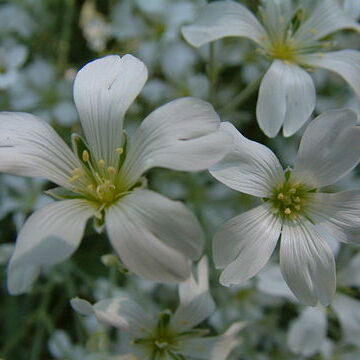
[297, 207]
[287, 211]
[74, 178]
[292, 191]
[101, 163]
[119, 150]
[281, 196]
[111, 170]
[85, 156]
[297, 199]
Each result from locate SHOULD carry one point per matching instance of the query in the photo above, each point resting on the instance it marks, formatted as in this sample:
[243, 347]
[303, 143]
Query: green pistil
[289, 199]
[163, 343]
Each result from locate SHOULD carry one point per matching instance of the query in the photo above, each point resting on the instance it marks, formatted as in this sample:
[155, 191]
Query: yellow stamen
[111, 170]
[119, 150]
[101, 163]
[287, 211]
[85, 156]
[281, 196]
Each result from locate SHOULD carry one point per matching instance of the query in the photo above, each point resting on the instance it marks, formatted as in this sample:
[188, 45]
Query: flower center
[163, 343]
[98, 181]
[282, 51]
[289, 199]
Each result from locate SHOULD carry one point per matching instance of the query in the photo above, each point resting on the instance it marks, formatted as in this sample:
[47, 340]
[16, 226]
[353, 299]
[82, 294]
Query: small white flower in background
[307, 334]
[6, 251]
[292, 207]
[166, 335]
[94, 26]
[12, 57]
[102, 179]
[291, 36]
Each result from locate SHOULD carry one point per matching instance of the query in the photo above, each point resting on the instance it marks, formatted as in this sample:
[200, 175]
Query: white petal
[49, 236]
[103, 91]
[125, 314]
[193, 313]
[326, 18]
[154, 236]
[215, 347]
[338, 214]
[308, 332]
[350, 275]
[345, 63]
[81, 306]
[271, 282]
[181, 135]
[307, 263]
[324, 154]
[347, 309]
[293, 92]
[248, 166]
[221, 19]
[245, 243]
[352, 8]
[196, 284]
[30, 147]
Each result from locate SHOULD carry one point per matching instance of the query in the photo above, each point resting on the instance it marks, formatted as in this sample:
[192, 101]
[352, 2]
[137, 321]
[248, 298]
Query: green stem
[112, 280]
[65, 37]
[36, 350]
[71, 290]
[242, 96]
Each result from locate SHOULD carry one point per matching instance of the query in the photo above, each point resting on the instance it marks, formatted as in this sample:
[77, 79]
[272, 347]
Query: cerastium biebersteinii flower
[168, 335]
[102, 178]
[290, 35]
[292, 207]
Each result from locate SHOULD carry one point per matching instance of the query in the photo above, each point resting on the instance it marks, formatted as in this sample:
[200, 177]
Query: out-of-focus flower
[12, 57]
[40, 91]
[291, 36]
[102, 178]
[166, 335]
[307, 334]
[293, 207]
[96, 30]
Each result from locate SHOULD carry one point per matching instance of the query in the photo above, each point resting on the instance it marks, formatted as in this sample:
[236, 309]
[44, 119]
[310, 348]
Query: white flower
[154, 236]
[293, 207]
[308, 333]
[166, 335]
[290, 36]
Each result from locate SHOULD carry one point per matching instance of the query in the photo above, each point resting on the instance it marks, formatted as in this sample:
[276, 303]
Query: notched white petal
[324, 154]
[248, 166]
[49, 236]
[244, 244]
[181, 135]
[326, 18]
[30, 147]
[221, 19]
[293, 92]
[307, 263]
[345, 63]
[103, 91]
[154, 236]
